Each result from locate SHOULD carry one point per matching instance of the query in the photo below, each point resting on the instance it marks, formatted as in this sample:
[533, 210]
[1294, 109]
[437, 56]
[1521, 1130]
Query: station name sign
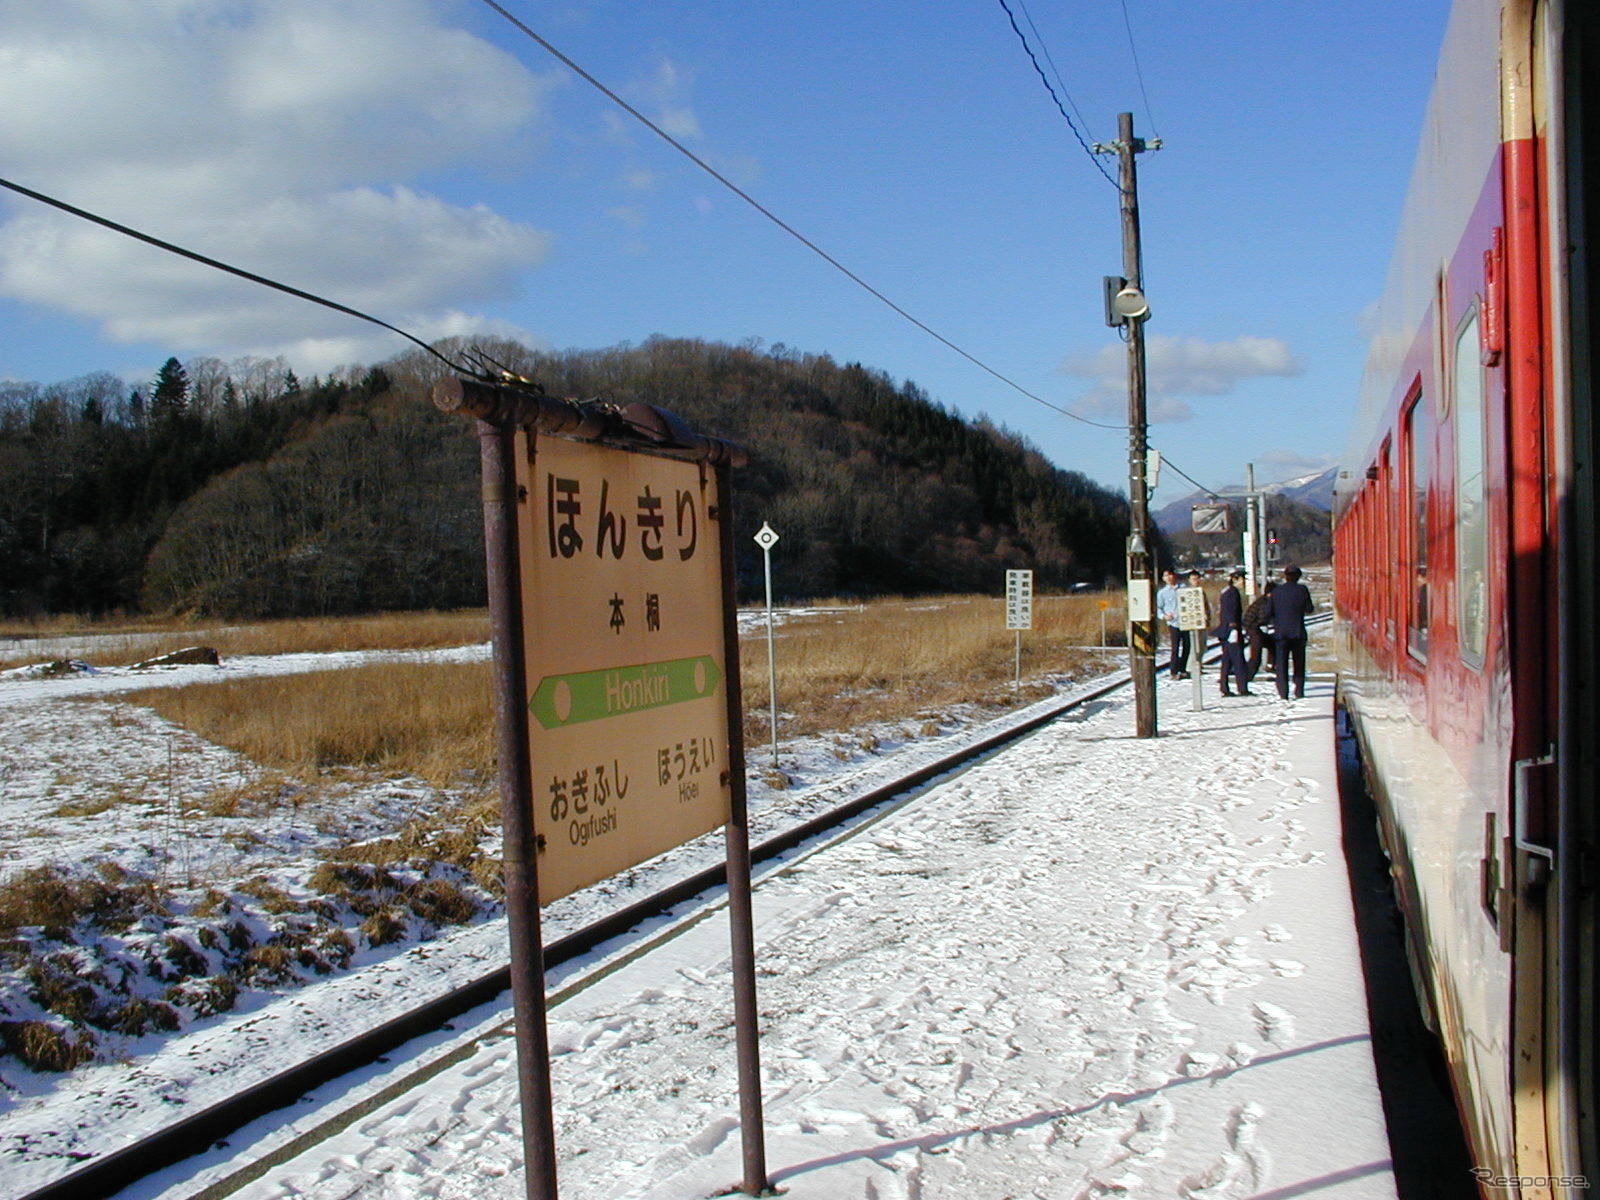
[622, 586]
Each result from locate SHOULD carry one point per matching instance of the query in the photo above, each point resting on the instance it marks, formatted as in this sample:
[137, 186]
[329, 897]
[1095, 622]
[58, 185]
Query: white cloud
[320, 355]
[665, 93]
[280, 135]
[1176, 368]
[1293, 463]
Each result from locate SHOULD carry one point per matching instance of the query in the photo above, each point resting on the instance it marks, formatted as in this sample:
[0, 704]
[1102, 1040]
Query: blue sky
[424, 161]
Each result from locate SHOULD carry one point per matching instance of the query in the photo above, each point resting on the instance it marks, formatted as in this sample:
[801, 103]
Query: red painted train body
[1465, 581]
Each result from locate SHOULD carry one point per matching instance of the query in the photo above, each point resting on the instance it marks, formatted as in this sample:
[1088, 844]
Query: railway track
[106, 1175]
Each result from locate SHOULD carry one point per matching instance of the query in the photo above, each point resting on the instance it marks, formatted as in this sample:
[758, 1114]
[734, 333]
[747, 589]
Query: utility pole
[1129, 304]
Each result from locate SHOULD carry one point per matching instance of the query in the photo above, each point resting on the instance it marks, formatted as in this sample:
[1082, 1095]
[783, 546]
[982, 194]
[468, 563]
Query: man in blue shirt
[1291, 605]
[1167, 611]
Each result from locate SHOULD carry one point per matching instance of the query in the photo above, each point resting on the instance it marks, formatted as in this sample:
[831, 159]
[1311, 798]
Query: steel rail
[108, 1174]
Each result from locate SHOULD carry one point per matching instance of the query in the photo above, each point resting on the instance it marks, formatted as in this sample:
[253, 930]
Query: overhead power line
[232, 270]
[1049, 87]
[780, 222]
[1137, 73]
[1054, 70]
[1177, 470]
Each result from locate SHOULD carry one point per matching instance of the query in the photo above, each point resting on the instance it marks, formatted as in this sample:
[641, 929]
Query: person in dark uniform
[1291, 605]
[1230, 634]
[1257, 622]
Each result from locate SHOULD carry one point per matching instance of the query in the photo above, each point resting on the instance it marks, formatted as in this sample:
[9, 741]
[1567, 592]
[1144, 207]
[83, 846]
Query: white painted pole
[767, 537]
[1197, 645]
[1252, 567]
[1016, 682]
[772, 659]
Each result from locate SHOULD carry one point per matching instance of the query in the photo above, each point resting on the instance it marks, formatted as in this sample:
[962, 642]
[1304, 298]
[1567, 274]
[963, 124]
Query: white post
[767, 538]
[1016, 681]
[1197, 643]
[1251, 566]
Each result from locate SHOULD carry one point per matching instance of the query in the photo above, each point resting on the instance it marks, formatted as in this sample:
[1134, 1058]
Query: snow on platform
[1089, 966]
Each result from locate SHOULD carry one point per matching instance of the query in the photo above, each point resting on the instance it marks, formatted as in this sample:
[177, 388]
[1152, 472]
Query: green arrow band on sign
[562, 700]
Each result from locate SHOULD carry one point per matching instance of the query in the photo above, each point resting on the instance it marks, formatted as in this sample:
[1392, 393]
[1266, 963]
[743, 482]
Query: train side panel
[1423, 538]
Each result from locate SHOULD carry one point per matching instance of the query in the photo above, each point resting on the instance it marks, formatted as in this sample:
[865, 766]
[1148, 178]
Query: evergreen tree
[170, 395]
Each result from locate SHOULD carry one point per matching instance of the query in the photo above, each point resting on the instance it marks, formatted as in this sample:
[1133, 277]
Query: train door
[1566, 59]
[1550, 52]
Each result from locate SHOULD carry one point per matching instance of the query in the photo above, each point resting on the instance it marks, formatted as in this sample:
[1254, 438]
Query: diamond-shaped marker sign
[766, 536]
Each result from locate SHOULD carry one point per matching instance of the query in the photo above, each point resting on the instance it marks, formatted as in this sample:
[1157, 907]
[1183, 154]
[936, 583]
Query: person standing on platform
[1257, 628]
[1230, 634]
[1291, 605]
[1167, 610]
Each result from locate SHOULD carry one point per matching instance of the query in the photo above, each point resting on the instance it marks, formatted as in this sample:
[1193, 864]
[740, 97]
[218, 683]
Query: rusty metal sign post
[609, 541]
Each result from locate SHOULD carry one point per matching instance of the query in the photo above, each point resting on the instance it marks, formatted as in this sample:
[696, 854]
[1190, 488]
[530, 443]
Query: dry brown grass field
[120, 642]
[840, 668]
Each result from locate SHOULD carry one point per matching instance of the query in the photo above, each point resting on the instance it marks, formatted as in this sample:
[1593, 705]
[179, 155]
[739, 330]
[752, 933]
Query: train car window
[1472, 518]
[1417, 433]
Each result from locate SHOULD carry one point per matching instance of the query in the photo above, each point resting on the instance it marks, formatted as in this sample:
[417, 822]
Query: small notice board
[1192, 608]
[1019, 599]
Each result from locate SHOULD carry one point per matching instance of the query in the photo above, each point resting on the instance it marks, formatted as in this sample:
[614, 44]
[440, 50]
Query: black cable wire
[1177, 470]
[1054, 70]
[1137, 73]
[780, 222]
[222, 266]
[1045, 79]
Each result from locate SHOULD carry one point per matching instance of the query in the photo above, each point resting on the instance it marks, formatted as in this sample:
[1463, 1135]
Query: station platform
[1090, 965]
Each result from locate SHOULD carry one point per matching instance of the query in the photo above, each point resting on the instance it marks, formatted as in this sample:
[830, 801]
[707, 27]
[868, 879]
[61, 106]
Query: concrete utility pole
[1129, 304]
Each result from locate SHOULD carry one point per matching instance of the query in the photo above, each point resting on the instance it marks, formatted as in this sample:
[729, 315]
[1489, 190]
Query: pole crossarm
[636, 426]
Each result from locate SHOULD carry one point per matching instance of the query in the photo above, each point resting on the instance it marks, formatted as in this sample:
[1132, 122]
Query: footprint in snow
[712, 1136]
[1239, 1170]
[1287, 968]
[1276, 933]
[1195, 1064]
[1275, 1025]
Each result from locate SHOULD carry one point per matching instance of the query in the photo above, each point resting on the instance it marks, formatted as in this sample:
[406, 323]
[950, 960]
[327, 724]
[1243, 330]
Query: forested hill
[235, 489]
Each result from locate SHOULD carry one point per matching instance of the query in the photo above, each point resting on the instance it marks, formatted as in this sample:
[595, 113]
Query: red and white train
[1468, 586]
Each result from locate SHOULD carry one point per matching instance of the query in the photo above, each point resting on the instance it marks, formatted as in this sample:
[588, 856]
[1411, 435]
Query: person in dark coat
[1291, 605]
[1257, 625]
[1230, 634]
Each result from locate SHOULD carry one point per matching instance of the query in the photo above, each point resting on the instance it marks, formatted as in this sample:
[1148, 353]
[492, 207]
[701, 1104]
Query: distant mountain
[1315, 491]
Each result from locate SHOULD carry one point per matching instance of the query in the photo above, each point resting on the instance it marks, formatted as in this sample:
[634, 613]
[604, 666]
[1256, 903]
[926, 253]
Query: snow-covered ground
[1090, 966]
[87, 778]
